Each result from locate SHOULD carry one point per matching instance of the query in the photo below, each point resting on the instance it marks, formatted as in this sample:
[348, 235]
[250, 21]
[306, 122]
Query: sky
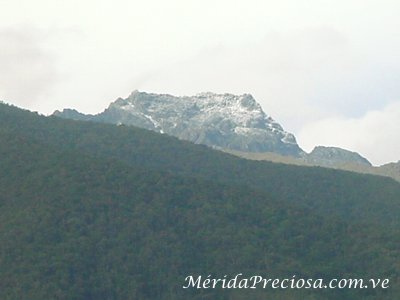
[327, 71]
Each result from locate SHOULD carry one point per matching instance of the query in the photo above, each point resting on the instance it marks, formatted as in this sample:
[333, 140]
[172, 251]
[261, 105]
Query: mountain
[231, 123]
[326, 191]
[98, 211]
[219, 120]
[391, 169]
[351, 161]
[333, 156]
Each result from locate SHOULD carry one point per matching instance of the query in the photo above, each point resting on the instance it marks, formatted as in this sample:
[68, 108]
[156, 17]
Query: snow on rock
[220, 120]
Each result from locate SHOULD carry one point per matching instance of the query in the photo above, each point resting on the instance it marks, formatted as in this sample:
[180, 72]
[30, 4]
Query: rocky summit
[334, 156]
[225, 121]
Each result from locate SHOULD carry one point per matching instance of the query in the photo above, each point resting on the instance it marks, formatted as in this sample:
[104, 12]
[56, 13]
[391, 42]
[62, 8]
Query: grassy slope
[389, 170]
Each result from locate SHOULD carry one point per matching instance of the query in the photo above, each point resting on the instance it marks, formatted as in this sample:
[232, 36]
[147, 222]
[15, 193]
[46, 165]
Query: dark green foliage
[344, 194]
[94, 211]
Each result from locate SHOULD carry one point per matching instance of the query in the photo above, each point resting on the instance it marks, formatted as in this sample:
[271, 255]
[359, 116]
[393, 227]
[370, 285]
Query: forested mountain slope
[352, 196]
[93, 211]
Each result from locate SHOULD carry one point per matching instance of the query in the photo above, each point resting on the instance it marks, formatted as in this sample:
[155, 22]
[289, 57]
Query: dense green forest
[96, 211]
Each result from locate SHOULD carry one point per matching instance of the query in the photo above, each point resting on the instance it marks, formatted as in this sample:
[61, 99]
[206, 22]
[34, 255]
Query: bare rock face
[333, 156]
[223, 121]
[217, 120]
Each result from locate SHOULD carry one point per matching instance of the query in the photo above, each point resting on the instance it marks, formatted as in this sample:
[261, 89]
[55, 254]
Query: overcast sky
[328, 71]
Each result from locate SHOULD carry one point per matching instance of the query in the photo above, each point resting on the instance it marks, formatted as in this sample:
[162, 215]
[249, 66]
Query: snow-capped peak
[221, 120]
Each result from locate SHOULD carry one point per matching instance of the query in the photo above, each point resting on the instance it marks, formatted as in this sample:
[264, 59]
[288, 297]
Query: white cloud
[278, 70]
[303, 60]
[376, 135]
[27, 71]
